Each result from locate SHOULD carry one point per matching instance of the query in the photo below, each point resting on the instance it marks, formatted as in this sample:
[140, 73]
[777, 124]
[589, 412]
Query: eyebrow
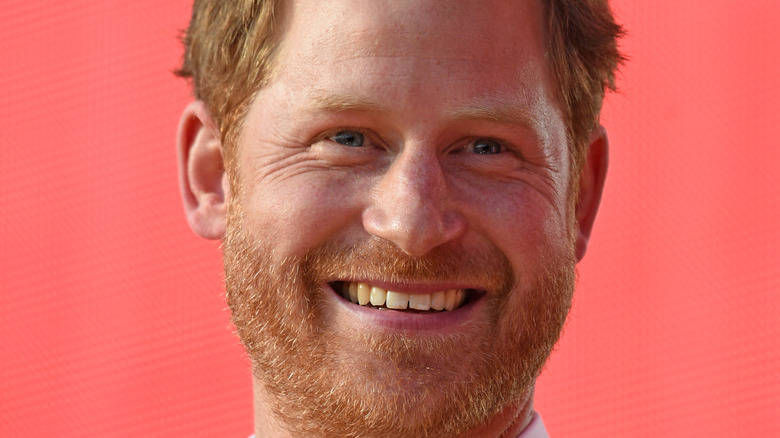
[498, 110]
[495, 111]
[322, 101]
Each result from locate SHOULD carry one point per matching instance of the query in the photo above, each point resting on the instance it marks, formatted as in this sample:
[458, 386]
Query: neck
[508, 423]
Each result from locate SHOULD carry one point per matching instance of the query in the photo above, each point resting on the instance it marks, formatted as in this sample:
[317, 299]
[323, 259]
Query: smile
[368, 295]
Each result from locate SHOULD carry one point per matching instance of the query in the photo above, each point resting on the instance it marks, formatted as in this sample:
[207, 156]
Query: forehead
[434, 23]
[449, 42]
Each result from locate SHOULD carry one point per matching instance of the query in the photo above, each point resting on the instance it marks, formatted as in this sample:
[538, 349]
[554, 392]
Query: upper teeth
[365, 294]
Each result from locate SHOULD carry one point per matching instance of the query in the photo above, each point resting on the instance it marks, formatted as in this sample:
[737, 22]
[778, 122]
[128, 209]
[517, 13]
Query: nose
[412, 206]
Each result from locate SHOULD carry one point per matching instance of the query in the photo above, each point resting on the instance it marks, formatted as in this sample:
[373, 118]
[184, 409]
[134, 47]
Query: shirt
[535, 428]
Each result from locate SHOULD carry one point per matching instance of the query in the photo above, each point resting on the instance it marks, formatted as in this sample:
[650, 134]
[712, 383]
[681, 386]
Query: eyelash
[500, 144]
[369, 136]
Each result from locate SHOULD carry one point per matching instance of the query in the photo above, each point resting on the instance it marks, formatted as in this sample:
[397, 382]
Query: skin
[428, 85]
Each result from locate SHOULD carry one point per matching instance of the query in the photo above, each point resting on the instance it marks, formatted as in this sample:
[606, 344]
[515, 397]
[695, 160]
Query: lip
[414, 288]
[397, 320]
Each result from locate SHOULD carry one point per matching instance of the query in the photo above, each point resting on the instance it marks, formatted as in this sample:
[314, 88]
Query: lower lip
[389, 319]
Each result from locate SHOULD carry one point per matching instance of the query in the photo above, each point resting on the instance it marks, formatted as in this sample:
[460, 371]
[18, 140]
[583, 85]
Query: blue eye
[484, 146]
[348, 138]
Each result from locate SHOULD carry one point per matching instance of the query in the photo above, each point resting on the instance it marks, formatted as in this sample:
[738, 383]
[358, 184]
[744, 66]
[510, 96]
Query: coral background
[112, 315]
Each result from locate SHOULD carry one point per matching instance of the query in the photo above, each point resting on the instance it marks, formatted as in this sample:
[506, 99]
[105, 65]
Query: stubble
[398, 384]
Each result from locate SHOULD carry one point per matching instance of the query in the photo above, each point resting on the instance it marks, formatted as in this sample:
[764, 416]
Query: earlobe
[202, 175]
[592, 177]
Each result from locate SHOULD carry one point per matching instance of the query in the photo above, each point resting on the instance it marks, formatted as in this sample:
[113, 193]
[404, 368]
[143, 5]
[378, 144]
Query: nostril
[416, 231]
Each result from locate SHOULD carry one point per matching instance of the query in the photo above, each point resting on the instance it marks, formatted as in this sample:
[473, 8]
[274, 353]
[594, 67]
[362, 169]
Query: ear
[202, 177]
[592, 177]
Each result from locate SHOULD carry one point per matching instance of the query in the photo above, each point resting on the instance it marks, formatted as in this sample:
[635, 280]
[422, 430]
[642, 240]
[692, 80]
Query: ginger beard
[324, 380]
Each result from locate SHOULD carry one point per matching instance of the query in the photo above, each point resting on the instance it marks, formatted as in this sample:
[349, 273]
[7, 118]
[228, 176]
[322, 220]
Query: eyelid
[368, 135]
[373, 140]
[506, 146]
[500, 145]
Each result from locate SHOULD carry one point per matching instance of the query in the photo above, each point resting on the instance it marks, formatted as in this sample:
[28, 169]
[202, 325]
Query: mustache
[375, 258]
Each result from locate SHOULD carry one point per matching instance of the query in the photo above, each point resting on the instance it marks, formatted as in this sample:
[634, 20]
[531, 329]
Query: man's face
[413, 147]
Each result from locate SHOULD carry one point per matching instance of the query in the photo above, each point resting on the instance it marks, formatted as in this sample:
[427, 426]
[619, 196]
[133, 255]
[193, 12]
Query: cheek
[530, 230]
[300, 212]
